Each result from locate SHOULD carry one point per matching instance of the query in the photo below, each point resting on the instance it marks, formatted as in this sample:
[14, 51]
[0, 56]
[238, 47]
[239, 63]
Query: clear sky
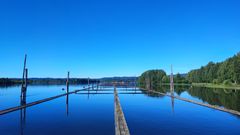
[115, 37]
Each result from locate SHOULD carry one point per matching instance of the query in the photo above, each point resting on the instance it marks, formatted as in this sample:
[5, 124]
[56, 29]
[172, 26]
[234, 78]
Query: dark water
[92, 113]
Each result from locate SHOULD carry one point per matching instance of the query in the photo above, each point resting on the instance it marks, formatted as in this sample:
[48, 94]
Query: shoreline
[210, 85]
[207, 85]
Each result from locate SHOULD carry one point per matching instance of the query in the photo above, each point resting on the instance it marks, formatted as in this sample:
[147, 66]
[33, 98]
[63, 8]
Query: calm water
[92, 113]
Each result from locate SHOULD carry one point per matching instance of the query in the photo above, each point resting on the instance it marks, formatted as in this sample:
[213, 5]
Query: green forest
[152, 79]
[225, 73]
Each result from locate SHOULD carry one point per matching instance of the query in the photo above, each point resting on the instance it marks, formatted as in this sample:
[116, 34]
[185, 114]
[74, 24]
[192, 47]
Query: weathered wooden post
[23, 95]
[24, 77]
[67, 83]
[88, 83]
[24, 69]
[135, 83]
[92, 86]
[171, 82]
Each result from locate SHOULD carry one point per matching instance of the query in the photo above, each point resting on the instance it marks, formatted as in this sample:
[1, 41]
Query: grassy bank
[178, 84]
[210, 85]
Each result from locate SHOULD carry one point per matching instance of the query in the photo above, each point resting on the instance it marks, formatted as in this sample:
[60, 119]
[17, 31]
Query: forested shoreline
[45, 81]
[225, 72]
[221, 74]
[62, 81]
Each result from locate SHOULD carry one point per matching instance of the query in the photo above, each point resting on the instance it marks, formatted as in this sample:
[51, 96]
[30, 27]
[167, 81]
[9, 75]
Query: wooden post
[68, 82]
[171, 82]
[24, 81]
[92, 86]
[88, 83]
[24, 69]
[135, 83]
[26, 78]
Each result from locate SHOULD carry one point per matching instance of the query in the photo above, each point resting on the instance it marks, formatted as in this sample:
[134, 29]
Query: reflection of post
[22, 112]
[88, 93]
[172, 89]
[172, 100]
[67, 99]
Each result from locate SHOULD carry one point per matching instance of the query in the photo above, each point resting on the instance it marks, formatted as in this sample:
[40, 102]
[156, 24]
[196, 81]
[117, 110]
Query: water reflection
[22, 111]
[67, 106]
[227, 98]
[172, 101]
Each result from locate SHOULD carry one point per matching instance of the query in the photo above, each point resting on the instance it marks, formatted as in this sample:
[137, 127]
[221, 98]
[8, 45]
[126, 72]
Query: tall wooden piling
[171, 81]
[88, 82]
[24, 69]
[24, 77]
[67, 83]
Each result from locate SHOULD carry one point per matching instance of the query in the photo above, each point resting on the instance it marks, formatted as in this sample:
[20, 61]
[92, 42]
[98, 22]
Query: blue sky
[116, 37]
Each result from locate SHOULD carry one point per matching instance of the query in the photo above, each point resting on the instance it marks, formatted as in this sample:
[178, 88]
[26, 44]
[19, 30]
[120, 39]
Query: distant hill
[119, 79]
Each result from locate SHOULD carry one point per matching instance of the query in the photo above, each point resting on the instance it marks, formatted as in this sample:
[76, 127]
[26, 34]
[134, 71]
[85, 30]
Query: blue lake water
[92, 112]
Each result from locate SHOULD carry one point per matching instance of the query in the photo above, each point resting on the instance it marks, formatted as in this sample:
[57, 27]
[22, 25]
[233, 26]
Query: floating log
[36, 102]
[121, 127]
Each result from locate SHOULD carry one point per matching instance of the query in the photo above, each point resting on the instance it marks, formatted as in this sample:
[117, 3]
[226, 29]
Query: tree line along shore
[224, 74]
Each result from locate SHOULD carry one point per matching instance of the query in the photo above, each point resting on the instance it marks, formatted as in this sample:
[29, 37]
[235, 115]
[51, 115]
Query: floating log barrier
[198, 103]
[121, 127]
[36, 102]
[105, 93]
